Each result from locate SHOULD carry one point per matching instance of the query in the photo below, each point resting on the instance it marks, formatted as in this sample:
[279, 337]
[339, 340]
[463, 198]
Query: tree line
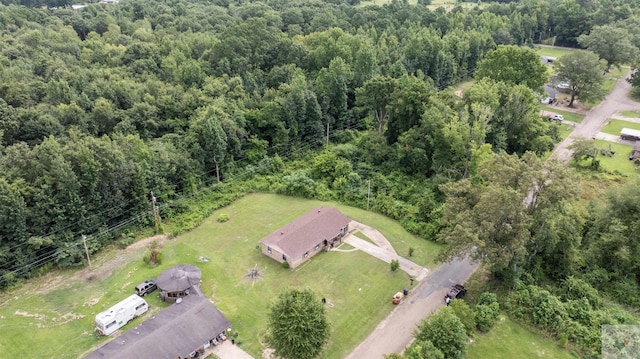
[103, 108]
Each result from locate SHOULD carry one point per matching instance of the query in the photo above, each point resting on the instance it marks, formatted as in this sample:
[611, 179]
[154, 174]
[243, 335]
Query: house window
[284, 257]
[269, 250]
[317, 247]
[306, 254]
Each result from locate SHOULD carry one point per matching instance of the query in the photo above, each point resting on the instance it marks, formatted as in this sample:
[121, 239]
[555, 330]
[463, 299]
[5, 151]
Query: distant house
[321, 228]
[183, 330]
[629, 134]
[635, 154]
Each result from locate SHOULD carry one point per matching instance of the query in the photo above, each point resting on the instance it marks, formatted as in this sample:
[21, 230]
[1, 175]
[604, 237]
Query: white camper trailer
[120, 314]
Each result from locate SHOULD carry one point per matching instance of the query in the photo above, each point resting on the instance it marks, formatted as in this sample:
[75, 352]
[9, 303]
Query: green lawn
[568, 115]
[52, 316]
[611, 78]
[552, 51]
[508, 339]
[613, 127]
[631, 114]
[620, 160]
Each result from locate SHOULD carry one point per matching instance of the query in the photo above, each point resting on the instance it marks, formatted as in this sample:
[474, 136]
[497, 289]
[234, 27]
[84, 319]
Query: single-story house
[298, 241]
[183, 330]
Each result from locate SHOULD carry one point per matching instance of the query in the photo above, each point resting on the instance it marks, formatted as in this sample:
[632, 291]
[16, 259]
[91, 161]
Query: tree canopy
[514, 65]
[298, 327]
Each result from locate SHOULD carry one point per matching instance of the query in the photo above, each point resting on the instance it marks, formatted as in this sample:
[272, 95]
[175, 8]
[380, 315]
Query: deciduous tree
[611, 43]
[513, 65]
[583, 71]
[298, 327]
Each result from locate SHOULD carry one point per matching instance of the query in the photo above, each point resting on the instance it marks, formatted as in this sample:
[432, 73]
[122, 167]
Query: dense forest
[107, 109]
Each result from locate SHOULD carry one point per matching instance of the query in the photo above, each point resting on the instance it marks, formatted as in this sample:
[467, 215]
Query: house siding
[307, 235]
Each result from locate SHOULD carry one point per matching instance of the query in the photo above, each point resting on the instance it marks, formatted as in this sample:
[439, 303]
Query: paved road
[618, 100]
[395, 332]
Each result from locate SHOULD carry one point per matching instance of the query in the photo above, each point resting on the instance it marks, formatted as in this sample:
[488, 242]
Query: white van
[120, 314]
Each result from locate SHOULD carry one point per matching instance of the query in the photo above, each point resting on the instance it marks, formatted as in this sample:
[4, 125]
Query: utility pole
[86, 250]
[368, 193]
[327, 134]
[156, 213]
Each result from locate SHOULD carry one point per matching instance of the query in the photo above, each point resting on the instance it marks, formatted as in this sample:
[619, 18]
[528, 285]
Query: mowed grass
[613, 127]
[552, 51]
[631, 114]
[611, 78]
[52, 316]
[619, 162]
[568, 115]
[509, 339]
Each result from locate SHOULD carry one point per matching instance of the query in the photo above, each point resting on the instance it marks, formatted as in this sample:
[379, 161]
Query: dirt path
[618, 100]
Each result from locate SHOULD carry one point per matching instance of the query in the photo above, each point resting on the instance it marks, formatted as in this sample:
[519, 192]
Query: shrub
[445, 330]
[411, 250]
[395, 264]
[574, 288]
[465, 314]
[223, 217]
[485, 317]
[285, 265]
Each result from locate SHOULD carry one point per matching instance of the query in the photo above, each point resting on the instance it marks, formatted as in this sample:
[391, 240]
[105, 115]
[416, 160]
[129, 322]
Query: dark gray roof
[306, 231]
[179, 278]
[175, 331]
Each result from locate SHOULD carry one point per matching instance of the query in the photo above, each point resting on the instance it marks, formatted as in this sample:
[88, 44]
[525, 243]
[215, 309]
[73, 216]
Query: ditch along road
[395, 332]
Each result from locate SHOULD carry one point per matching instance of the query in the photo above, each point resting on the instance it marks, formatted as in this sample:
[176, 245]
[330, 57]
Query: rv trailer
[120, 314]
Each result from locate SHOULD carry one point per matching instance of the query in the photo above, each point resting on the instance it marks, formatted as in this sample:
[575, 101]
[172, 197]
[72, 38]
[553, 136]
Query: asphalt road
[395, 332]
[616, 101]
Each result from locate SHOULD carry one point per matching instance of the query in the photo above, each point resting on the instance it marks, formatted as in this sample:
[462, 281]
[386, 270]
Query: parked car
[556, 117]
[548, 100]
[457, 291]
[146, 287]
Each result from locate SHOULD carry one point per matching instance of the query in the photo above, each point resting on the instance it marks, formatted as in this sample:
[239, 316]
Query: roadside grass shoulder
[52, 316]
[630, 114]
[614, 126]
[515, 341]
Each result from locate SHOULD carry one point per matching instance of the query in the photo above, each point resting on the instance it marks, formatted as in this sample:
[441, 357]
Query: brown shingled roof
[174, 331]
[301, 235]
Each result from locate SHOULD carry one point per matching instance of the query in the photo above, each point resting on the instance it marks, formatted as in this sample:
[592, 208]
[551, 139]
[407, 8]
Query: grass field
[568, 115]
[52, 316]
[508, 339]
[630, 114]
[613, 127]
[552, 51]
[611, 78]
[620, 160]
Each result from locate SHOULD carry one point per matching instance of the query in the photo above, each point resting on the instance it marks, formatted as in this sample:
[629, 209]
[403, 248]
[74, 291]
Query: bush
[485, 316]
[445, 330]
[395, 264]
[465, 314]
[223, 217]
[285, 265]
[574, 288]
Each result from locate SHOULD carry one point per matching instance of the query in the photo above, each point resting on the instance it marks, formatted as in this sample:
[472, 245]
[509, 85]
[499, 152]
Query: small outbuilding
[184, 330]
[177, 282]
[635, 154]
[319, 229]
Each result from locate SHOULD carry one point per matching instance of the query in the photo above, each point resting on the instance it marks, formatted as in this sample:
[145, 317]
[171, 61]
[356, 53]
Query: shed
[178, 281]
